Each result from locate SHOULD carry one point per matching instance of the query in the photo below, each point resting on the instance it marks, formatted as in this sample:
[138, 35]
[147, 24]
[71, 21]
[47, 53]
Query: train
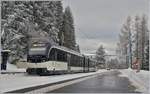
[45, 58]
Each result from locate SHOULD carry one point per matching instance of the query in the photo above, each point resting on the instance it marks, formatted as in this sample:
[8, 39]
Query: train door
[88, 61]
[69, 62]
[55, 59]
[84, 64]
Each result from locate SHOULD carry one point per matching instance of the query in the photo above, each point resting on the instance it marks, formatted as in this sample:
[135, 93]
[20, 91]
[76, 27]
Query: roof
[67, 50]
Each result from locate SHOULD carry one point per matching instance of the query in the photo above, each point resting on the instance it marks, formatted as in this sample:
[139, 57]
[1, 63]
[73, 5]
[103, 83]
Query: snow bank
[14, 82]
[140, 79]
[13, 68]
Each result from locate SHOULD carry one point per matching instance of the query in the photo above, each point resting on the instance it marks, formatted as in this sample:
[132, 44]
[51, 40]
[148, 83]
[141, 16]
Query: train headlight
[35, 45]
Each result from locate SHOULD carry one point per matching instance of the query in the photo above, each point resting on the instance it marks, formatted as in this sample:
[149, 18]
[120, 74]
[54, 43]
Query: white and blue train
[44, 58]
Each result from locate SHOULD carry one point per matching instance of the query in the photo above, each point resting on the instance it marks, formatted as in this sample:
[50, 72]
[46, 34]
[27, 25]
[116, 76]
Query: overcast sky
[99, 21]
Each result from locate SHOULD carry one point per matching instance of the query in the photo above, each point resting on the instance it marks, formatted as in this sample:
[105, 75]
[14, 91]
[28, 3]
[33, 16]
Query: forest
[22, 20]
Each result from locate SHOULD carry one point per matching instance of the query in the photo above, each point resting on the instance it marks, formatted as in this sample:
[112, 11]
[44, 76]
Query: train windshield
[37, 51]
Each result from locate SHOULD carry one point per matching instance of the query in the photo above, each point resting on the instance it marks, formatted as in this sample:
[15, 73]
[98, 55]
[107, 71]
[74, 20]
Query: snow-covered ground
[139, 79]
[10, 82]
[13, 68]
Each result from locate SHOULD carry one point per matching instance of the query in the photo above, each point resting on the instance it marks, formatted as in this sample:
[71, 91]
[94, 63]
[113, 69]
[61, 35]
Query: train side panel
[49, 65]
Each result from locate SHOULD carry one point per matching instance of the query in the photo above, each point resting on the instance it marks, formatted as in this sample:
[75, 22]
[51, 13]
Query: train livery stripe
[50, 65]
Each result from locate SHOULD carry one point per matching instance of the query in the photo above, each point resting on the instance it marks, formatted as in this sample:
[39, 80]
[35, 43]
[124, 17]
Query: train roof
[67, 50]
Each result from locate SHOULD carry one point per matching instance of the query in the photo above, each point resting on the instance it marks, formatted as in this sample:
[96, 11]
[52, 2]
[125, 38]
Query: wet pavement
[110, 82]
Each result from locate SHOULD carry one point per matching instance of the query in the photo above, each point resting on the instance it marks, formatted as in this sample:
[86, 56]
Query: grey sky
[99, 21]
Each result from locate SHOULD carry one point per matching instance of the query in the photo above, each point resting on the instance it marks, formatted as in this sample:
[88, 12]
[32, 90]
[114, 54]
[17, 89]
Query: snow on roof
[67, 50]
[89, 54]
[5, 51]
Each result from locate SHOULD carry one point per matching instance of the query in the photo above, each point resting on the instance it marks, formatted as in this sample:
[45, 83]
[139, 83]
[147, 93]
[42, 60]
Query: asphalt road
[110, 82]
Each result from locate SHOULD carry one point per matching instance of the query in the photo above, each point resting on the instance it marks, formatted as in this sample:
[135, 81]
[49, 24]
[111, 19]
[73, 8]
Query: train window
[37, 50]
[72, 60]
[65, 56]
[77, 61]
[52, 54]
[81, 61]
[58, 55]
[61, 55]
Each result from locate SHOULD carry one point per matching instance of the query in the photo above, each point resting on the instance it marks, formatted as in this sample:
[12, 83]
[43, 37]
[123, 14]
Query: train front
[37, 53]
[36, 58]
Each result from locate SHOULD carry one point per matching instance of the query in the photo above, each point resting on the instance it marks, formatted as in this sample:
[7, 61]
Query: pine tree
[24, 20]
[146, 57]
[139, 40]
[59, 19]
[14, 28]
[100, 54]
[21, 18]
[78, 48]
[69, 31]
[47, 21]
[124, 39]
[143, 40]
